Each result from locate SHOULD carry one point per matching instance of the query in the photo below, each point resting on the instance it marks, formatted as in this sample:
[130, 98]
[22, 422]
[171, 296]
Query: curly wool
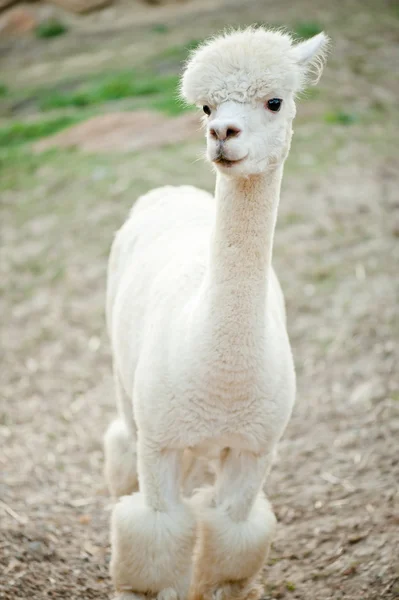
[244, 66]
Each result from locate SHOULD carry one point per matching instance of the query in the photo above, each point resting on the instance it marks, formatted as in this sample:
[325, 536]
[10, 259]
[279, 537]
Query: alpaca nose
[224, 131]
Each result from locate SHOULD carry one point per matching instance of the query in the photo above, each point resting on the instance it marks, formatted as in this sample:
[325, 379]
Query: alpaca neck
[241, 248]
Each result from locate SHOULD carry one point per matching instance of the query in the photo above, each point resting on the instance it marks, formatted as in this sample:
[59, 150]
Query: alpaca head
[246, 83]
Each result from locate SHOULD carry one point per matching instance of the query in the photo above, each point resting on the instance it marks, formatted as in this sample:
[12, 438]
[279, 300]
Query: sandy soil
[335, 485]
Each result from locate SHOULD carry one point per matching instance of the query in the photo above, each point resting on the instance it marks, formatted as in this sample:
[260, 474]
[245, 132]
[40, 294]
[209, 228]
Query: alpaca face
[246, 138]
[239, 78]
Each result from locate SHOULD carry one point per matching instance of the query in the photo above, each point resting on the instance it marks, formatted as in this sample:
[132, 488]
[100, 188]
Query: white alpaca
[201, 354]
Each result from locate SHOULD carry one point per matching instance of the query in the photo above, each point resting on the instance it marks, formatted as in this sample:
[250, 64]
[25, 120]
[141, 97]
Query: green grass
[18, 167]
[3, 90]
[340, 117]
[307, 29]
[50, 28]
[118, 86]
[154, 86]
[146, 89]
[160, 28]
[170, 105]
[21, 132]
[303, 29]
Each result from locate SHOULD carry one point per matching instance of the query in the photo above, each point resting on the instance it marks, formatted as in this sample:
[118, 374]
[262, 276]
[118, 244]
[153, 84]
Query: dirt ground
[334, 487]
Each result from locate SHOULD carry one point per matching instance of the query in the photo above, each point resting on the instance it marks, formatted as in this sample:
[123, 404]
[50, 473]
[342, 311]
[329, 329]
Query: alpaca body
[206, 379]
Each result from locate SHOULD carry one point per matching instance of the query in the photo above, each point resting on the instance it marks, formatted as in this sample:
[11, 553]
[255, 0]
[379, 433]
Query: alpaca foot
[229, 554]
[167, 594]
[151, 550]
[231, 591]
[236, 590]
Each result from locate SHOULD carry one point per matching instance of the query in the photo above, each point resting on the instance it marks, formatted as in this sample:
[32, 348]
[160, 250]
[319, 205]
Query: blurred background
[89, 120]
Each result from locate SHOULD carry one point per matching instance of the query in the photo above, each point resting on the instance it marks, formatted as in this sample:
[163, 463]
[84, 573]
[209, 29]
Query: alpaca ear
[311, 54]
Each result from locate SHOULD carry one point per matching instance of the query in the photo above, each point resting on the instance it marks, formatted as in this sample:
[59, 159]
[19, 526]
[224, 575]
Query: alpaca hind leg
[120, 467]
[197, 472]
[235, 529]
[153, 532]
[120, 447]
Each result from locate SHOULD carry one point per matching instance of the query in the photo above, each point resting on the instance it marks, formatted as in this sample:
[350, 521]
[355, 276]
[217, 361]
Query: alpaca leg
[120, 467]
[197, 472]
[153, 532]
[236, 527]
[120, 447]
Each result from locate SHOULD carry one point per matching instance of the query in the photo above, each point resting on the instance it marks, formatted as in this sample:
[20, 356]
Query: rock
[81, 6]
[37, 550]
[17, 21]
[124, 132]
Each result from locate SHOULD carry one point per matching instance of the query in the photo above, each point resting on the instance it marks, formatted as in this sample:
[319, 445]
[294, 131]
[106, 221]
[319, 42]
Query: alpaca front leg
[235, 529]
[153, 532]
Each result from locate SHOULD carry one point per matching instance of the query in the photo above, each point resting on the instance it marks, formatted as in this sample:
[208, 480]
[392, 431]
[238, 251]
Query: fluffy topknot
[250, 64]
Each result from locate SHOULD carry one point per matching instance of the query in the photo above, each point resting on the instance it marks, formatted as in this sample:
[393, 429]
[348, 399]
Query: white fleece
[197, 323]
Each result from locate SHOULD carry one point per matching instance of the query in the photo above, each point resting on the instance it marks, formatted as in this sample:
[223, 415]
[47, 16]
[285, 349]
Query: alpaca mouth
[225, 162]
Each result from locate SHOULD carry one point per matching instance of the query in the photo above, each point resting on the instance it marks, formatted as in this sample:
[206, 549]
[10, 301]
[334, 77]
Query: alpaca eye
[274, 104]
[206, 110]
